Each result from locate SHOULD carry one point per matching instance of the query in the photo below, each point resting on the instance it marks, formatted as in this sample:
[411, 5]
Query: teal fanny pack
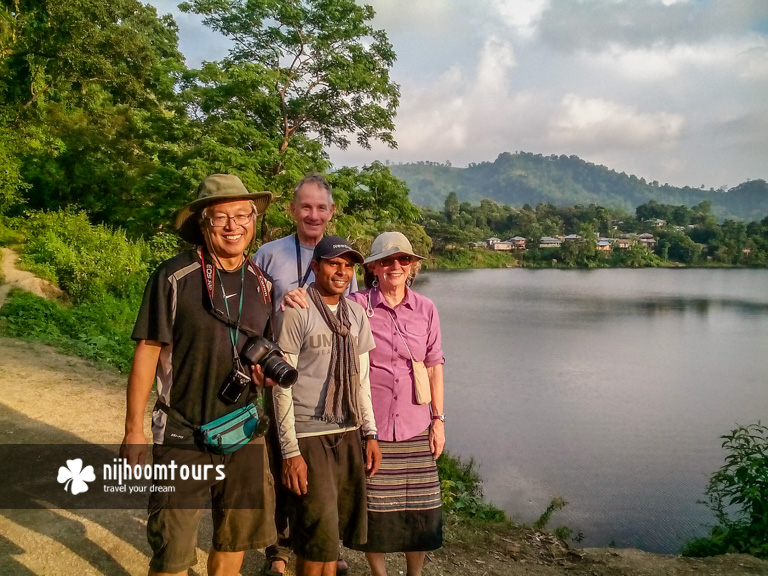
[234, 430]
[221, 436]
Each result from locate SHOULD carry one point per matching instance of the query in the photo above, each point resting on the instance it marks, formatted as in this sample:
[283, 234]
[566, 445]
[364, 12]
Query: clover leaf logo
[75, 474]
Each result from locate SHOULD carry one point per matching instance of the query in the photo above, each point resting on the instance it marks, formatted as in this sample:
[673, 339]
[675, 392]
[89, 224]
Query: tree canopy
[98, 110]
[316, 67]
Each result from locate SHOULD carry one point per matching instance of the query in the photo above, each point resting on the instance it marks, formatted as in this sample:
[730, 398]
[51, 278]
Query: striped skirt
[404, 507]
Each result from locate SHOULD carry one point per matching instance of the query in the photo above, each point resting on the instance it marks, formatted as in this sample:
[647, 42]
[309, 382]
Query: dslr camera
[269, 356]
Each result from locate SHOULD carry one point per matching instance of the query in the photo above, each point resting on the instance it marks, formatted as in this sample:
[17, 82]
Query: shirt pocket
[416, 334]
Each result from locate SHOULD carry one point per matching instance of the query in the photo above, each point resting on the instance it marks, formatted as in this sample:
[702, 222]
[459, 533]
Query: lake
[609, 388]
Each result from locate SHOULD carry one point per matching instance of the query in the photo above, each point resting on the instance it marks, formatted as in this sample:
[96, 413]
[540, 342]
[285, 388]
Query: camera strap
[299, 278]
[208, 267]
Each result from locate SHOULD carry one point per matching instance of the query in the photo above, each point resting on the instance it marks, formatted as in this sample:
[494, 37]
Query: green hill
[526, 178]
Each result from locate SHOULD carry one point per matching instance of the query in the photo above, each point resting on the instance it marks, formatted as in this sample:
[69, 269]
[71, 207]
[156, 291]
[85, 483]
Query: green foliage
[462, 491]
[87, 94]
[87, 262]
[9, 233]
[102, 271]
[321, 68]
[563, 533]
[556, 504]
[11, 183]
[98, 332]
[738, 495]
[481, 258]
[71, 50]
[636, 256]
[701, 242]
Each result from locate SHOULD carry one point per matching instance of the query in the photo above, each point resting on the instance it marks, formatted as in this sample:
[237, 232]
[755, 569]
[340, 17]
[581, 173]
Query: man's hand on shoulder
[295, 474]
[296, 298]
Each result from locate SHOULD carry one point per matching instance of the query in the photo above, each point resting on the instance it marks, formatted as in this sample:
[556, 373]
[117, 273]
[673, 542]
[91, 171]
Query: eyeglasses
[404, 259]
[221, 220]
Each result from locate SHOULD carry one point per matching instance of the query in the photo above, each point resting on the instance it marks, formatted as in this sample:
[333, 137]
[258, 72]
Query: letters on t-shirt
[322, 343]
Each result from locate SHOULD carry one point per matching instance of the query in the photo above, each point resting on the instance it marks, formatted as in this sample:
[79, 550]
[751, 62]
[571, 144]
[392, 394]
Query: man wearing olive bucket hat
[199, 309]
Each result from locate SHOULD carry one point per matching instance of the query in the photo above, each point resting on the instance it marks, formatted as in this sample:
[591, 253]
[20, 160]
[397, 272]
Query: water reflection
[608, 388]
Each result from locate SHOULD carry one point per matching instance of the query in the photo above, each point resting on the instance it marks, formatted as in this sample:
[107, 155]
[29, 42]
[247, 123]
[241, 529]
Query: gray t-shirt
[278, 260]
[306, 338]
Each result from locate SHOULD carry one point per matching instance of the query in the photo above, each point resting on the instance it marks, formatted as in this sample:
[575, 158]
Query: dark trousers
[280, 550]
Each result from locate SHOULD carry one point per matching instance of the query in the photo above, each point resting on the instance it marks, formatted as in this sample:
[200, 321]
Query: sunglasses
[404, 259]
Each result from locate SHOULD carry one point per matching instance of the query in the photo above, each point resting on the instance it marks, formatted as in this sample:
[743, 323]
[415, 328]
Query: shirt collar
[378, 300]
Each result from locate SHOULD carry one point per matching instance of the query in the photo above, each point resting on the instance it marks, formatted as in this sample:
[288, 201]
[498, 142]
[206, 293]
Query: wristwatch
[440, 417]
[372, 437]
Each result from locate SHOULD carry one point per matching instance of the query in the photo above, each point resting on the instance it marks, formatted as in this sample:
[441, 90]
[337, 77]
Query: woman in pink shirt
[404, 506]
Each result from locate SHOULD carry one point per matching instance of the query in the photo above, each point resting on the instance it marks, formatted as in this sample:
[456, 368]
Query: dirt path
[12, 277]
[50, 398]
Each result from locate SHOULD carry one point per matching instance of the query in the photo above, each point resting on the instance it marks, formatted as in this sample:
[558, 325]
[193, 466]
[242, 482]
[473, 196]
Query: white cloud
[449, 113]
[521, 15]
[661, 62]
[596, 123]
[590, 26]
[428, 14]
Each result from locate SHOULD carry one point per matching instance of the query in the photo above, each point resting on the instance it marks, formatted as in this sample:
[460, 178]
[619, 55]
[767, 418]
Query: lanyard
[209, 284]
[299, 279]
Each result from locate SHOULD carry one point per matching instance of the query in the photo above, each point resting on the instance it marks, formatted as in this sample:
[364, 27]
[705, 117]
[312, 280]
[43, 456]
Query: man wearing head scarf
[199, 309]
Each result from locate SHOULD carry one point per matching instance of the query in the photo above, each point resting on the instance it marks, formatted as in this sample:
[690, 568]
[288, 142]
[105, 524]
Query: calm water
[609, 388]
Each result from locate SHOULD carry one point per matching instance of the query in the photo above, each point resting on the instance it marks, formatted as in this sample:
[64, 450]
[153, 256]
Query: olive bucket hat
[215, 189]
[389, 243]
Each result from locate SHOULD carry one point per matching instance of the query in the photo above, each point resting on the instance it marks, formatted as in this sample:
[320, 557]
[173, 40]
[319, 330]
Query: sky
[669, 90]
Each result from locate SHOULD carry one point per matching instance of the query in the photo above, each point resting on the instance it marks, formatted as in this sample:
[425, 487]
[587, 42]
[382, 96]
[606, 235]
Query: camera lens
[279, 370]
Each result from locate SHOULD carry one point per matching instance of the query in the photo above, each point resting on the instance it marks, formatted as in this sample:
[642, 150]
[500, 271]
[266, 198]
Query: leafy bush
[86, 261]
[465, 258]
[102, 271]
[9, 233]
[99, 333]
[462, 490]
[738, 495]
[555, 504]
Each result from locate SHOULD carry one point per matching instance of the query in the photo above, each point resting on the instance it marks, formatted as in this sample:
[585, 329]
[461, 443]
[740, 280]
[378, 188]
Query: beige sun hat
[389, 243]
[213, 190]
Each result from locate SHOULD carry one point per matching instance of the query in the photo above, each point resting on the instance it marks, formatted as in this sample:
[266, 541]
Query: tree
[374, 196]
[61, 49]
[11, 183]
[451, 206]
[87, 92]
[738, 495]
[680, 248]
[317, 66]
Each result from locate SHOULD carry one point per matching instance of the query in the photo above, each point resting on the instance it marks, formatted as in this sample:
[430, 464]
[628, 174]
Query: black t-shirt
[197, 355]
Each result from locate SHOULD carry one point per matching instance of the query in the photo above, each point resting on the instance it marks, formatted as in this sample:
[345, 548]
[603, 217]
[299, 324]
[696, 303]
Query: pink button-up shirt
[398, 417]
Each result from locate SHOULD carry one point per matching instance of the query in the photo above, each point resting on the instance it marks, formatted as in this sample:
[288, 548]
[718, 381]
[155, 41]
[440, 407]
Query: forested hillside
[525, 178]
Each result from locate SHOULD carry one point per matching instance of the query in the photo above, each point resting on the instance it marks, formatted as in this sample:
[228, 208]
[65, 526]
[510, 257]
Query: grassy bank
[102, 273]
[465, 258]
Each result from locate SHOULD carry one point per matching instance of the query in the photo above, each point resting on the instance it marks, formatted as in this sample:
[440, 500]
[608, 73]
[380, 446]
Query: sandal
[267, 570]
